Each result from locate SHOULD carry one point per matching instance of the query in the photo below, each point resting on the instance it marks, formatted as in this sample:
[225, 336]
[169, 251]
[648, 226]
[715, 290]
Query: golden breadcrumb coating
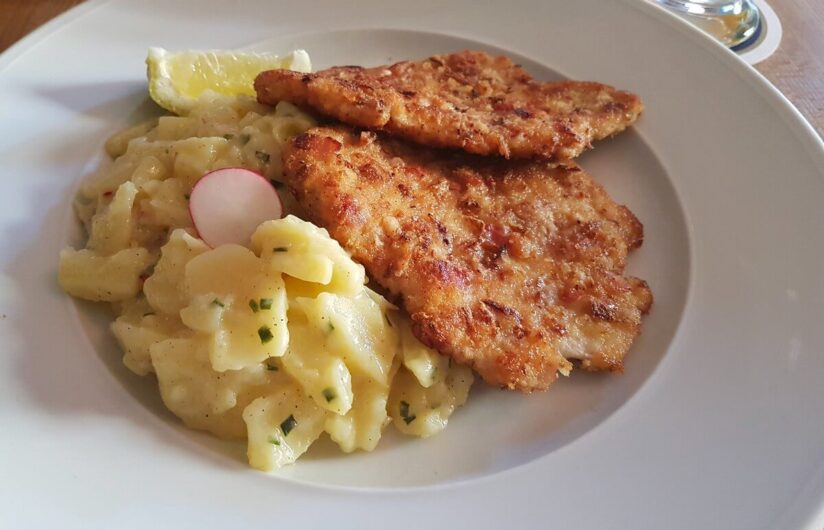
[513, 267]
[470, 100]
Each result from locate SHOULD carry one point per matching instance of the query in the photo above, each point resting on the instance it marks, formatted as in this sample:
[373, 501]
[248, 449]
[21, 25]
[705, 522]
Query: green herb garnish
[265, 334]
[217, 303]
[288, 424]
[405, 416]
[262, 156]
[254, 305]
[280, 249]
[331, 327]
[329, 394]
[266, 303]
[274, 441]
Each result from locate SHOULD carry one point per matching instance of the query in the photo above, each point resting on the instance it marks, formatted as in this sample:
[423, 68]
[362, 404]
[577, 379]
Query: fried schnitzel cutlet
[513, 267]
[470, 100]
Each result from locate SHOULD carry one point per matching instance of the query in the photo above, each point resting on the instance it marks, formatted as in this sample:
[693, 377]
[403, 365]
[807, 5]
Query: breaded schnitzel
[470, 100]
[511, 267]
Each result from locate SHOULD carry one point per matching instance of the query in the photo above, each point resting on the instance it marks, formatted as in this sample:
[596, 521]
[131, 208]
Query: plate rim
[796, 120]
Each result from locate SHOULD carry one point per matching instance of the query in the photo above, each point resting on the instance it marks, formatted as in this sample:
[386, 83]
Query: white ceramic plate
[717, 421]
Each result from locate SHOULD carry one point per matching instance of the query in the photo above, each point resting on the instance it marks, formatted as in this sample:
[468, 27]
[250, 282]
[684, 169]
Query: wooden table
[797, 68]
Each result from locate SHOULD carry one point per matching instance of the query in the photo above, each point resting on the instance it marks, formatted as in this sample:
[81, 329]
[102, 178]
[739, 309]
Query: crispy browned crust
[470, 100]
[512, 267]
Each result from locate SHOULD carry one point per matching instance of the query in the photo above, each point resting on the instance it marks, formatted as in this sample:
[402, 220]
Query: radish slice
[227, 205]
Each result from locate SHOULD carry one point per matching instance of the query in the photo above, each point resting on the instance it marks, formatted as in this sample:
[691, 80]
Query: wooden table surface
[797, 68]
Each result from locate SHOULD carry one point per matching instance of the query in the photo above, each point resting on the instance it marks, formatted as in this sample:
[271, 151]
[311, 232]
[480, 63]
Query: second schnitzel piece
[511, 267]
[470, 100]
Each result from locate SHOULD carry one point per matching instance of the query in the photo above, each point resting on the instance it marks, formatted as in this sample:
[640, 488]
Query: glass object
[733, 22]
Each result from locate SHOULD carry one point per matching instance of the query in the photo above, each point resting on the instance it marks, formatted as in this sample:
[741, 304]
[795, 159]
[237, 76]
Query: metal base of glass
[731, 22]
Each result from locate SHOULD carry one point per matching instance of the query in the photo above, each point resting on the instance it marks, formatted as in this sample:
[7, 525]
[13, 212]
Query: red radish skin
[227, 205]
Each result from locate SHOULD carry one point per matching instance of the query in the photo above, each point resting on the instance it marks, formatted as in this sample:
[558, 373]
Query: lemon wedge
[178, 78]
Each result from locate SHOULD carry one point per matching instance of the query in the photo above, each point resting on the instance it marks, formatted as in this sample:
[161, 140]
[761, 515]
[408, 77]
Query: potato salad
[273, 336]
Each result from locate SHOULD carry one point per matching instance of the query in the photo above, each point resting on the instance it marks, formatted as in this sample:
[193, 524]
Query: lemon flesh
[178, 79]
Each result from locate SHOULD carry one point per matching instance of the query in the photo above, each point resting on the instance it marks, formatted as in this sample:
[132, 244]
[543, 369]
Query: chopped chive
[244, 139]
[274, 441]
[288, 424]
[265, 334]
[217, 303]
[254, 305]
[405, 416]
[329, 394]
[266, 303]
[331, 327]
[262, 156]
[228, 136]
[280, 249]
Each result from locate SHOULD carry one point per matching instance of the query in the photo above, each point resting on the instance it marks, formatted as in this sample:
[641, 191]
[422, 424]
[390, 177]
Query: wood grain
[18, 18]
[796, 69]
